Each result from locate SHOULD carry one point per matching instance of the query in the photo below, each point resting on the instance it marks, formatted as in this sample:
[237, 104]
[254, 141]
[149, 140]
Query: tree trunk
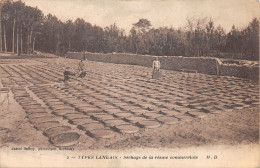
[58, 44]
[21, 38]
[1, 49]
[5, 39]
[69, 46]
[13, 34]
[30, 42]
[33, 44]
[17, 40]
[1, 4]
[136, 48]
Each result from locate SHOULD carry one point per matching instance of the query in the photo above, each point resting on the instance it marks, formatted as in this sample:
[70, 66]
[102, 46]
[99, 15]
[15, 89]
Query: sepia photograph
[129, 83]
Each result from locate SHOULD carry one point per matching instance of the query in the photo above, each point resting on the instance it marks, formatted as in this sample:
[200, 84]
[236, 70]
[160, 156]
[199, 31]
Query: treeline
[25, 29]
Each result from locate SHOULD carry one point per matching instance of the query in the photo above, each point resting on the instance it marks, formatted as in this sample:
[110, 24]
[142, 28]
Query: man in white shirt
[156, 68]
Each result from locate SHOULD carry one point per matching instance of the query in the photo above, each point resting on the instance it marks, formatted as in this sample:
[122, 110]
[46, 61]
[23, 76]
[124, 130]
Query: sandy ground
[15, 130]
[227, 128]
[233, 128]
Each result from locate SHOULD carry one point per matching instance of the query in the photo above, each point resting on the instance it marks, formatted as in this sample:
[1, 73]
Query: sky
[161, 13]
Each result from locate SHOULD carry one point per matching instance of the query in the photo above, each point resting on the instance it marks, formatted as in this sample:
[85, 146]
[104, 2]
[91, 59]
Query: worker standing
[156, 68]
